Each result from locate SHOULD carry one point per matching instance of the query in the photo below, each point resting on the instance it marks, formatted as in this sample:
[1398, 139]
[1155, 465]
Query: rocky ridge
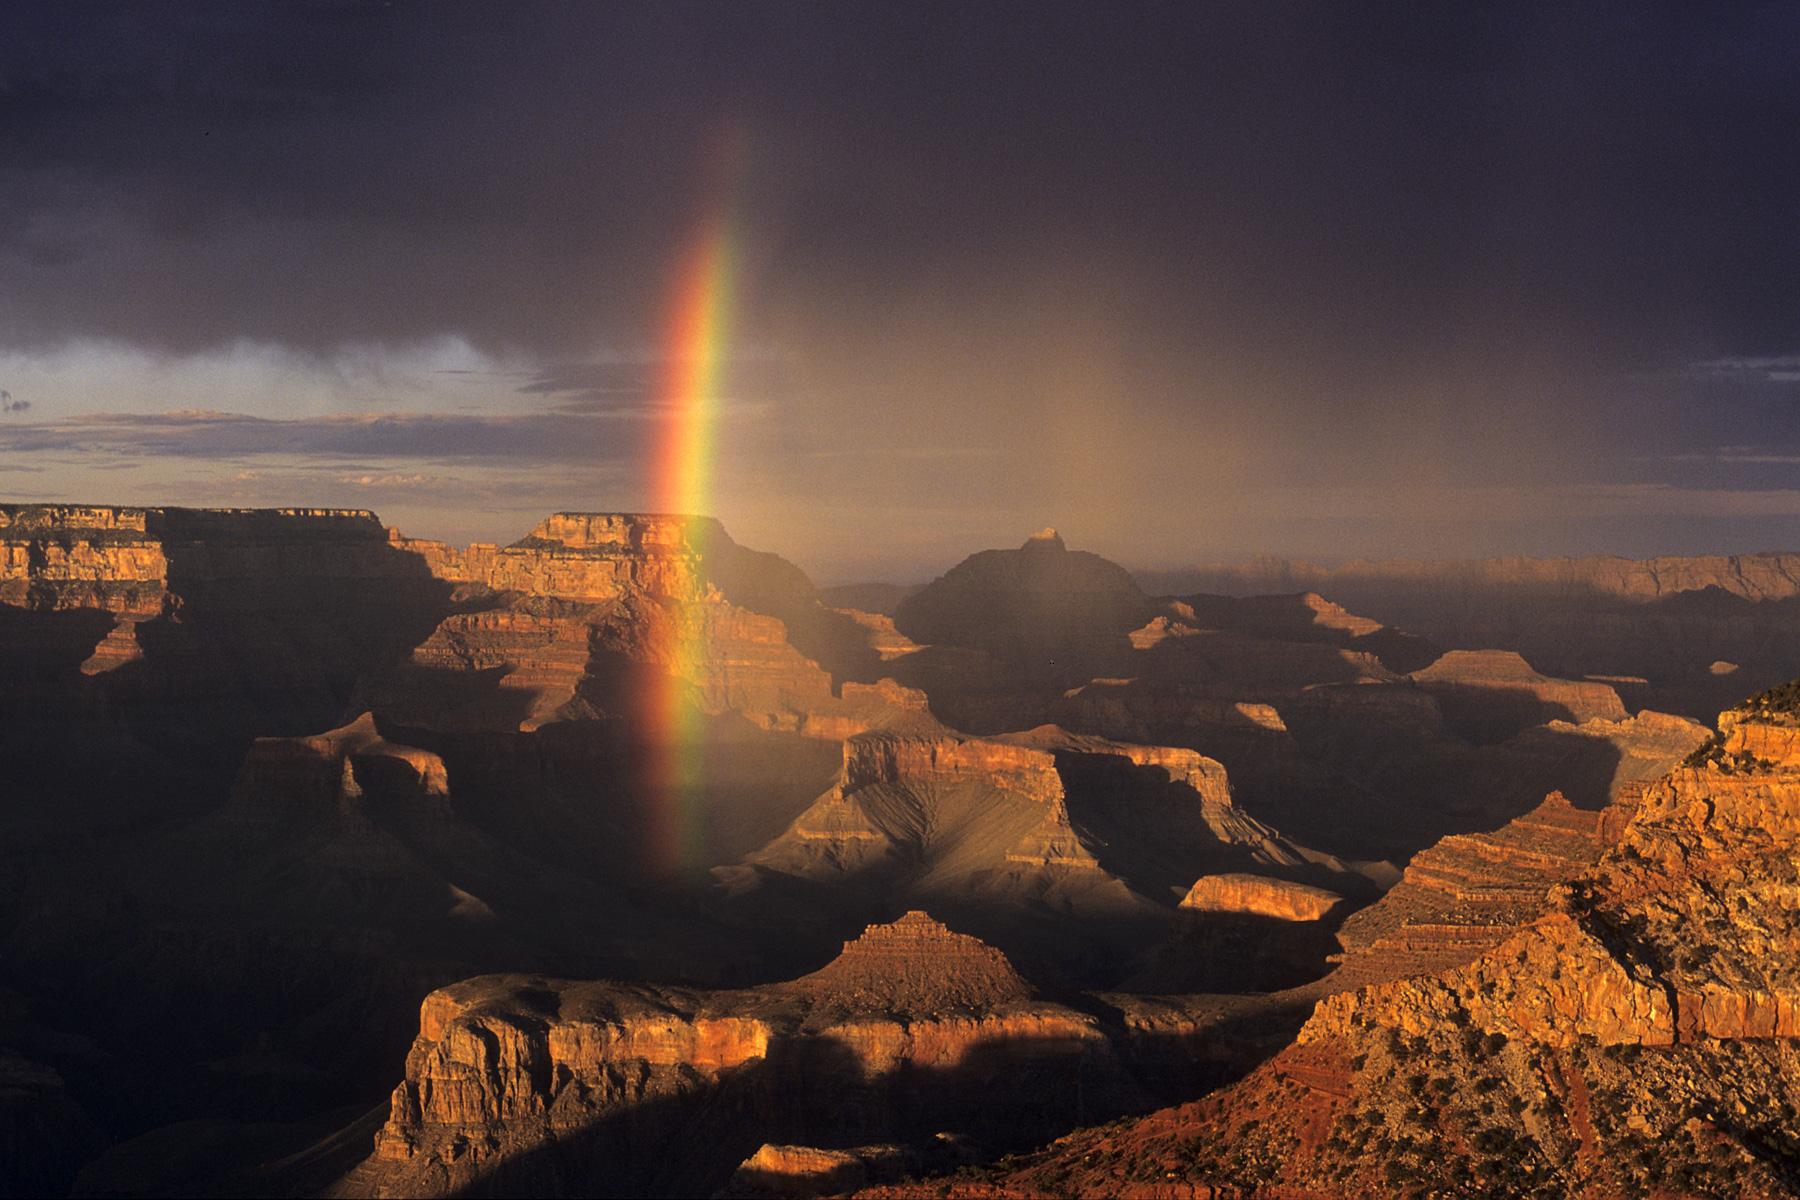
[1663, 621]
[1637, 1038]
[249, 908]
[1750, 576]
[583, 1085]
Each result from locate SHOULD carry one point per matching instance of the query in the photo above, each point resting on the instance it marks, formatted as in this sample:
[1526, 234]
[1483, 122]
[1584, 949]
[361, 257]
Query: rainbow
[696, 340]
[698, 327]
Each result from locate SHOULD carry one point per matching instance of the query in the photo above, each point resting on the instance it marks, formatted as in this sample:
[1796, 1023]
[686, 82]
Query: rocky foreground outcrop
[1637, 1039]
[519, 1083]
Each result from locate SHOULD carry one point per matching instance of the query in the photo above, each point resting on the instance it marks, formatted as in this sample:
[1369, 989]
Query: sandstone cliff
[1257, 896]
[1489, 695]
[1638, 1038]
[990, 830]
[273, 774]
[586, 1088]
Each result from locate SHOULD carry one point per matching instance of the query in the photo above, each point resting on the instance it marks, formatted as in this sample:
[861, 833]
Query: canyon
[1634, 1035]
[622, 860]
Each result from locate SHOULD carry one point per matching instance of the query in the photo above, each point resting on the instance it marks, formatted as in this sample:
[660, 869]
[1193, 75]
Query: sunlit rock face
[1638, 1037]
[563, 618]
[586, 556]
[57, 556]
[1490, 695]
[287, 771]
[583, 1085]
[1257, 896]
[277, 773]
[1039, 840]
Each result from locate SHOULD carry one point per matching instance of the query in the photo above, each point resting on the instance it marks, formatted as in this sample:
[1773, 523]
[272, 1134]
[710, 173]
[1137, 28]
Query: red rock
[505, 1066]
[1259, 896]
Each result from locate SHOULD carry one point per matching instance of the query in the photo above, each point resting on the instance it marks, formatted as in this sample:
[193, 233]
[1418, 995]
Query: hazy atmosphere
[1187, 284]
[899, 600]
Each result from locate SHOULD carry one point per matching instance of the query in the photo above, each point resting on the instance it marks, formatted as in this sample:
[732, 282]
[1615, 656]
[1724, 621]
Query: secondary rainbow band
[698, 327]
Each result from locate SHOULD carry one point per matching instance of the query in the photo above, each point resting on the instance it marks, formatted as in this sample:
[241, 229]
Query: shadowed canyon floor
[643, 867]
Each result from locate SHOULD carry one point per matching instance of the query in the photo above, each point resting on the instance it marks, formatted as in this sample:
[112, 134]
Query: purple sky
[1188, 282]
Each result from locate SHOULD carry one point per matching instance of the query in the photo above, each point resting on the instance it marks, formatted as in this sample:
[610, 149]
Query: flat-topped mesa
[626, 1083]
[883, 757]
[614, 532]
[591, 556]
[1239, 894]
[18, 519]
[130, 560]
[915, 965]
[265, 524]
[672, 593]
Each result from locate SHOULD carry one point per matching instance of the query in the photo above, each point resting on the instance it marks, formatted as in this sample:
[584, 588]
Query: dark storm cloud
[1143, 262]
[539, 438]
[1315, 185]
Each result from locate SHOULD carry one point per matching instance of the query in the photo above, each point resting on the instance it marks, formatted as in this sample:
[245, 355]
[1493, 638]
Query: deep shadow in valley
[1004, 1096]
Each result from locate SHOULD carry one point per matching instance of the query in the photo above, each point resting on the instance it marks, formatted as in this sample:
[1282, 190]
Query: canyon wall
[1641, 1036]
[600, 1088]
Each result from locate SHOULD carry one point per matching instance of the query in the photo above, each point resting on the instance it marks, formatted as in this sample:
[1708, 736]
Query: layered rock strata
[1638, 1038]
[1257, 896]
[585, 1086]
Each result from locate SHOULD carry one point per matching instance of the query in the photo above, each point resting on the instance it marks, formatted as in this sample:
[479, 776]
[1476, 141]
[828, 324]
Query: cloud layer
[1185, 281]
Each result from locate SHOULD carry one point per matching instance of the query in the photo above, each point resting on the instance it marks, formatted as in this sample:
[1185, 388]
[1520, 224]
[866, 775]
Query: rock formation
[1666, 620]
[1489, 695]
[1039, 600]
[1637, 1038]
[273, 776]
[811, 1171]
[580, 1087]
[1304, 702]
[241, 905]
[1469, 892]
[1749, 576]
[914, 965]
[986, 829]
[1258, 896]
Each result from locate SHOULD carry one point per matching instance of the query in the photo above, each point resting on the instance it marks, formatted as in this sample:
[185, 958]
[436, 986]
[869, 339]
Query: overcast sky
[1188, 282]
